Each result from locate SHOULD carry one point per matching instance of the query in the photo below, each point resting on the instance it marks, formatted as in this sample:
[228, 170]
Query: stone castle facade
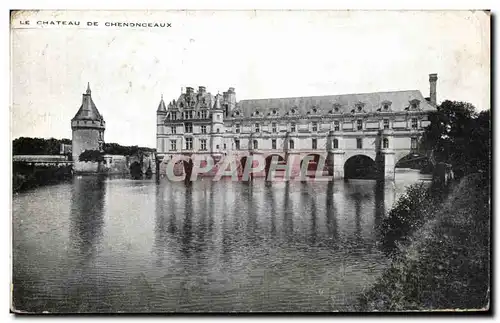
[198, 122]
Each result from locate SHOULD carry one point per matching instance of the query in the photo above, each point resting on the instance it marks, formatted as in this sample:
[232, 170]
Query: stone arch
[360, 166]
[281, 161]
[414, 160]
[313, 164]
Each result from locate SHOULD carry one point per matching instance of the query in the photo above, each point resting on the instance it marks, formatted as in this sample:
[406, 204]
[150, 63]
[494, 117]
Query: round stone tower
[88, 133]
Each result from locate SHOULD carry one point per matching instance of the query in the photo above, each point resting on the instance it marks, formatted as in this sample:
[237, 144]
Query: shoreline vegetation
[442, 262]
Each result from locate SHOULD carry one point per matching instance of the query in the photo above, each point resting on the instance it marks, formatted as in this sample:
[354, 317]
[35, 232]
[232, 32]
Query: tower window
[292, 127]
[237, 128]
[173, 145]
[188, 127]
[314, 143]
[203, 144]
[335, 143]
[336, 126]
[291, 144]
[257, 127]
[314, 126]
[359, 143]
[385, 143]
[273, 143]
[273, 127]
[237, 144]
[255, 144]
[414, 123]
[359, 124]
[189, 143]
[386, 123]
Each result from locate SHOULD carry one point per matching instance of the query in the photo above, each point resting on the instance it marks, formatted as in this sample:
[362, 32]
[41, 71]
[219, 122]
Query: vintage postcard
[250, 161]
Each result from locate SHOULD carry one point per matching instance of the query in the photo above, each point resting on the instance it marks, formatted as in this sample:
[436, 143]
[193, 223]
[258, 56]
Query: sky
[261, 54]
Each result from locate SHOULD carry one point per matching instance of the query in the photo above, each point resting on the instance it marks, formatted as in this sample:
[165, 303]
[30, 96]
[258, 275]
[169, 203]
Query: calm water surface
[108, 245]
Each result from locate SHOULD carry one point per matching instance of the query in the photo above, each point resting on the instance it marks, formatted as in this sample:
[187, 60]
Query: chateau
[343, 126]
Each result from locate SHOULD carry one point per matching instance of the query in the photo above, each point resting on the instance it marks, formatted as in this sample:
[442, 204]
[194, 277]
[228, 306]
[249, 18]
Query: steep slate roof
[88, 110]
[370, 102]
[161, 106]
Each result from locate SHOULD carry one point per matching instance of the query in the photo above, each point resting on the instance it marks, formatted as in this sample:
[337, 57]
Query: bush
[410, 212]
[91, 156]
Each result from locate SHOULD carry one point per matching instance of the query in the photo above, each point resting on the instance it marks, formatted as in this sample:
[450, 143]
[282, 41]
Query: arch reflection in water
[87, 214]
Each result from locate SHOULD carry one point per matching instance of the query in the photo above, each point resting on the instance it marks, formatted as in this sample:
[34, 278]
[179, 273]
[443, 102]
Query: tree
[458, 135]
[91, 156]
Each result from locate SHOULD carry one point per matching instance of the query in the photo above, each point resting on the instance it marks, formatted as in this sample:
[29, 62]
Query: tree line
[52, 146]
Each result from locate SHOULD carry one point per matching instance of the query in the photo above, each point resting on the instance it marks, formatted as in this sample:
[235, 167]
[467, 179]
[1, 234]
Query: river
[122, 245]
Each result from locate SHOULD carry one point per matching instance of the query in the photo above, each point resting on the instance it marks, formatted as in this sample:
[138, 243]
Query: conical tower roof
[217, 103]
[161, 106]
[88, 110]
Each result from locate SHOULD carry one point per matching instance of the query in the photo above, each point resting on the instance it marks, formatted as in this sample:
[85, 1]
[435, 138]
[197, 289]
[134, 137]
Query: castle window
[292, 127]
[237, 128]
[273, 127]
[359, 143]
[273, 143]
[255, 144]
[237, 144]
[314, 126]
[173, 130]
[204, 114]
[291, 144]
[335, 143]
[336, 126]
[173, 145]
[414, 123]
[203, 144]
[174, 116]
[386, 123]
[385, 143]
[359, 124]
[189, 143]
[188, 127]
[257, 127]
[314, 143]
[203, 129]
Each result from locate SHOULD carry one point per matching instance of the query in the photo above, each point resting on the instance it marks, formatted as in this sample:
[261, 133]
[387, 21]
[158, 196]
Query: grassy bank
[26, 176]
[445, 263]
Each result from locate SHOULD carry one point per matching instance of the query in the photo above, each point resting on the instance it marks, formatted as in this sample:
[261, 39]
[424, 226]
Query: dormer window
[257, 113]
[414, 104]
[237, 113]
[274, 112]
[293, 111]
[386, 107]
[314, 110]
[358, 107]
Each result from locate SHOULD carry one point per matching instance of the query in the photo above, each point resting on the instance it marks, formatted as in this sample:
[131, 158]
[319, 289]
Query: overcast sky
[261, 54]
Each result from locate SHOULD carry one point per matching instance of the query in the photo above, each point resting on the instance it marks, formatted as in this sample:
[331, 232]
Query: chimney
[432, 83]
[201, 90]
[189, 90]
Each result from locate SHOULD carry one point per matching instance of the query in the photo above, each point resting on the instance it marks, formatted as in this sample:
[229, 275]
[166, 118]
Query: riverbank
[26, 176]
[446, 264]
